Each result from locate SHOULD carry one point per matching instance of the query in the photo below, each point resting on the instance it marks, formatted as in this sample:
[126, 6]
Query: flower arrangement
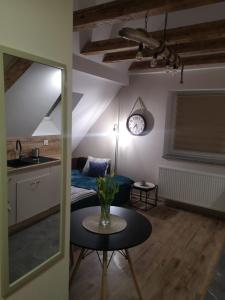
[107, 189]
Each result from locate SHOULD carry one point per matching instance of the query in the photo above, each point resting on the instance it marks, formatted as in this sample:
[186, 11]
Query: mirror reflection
[33, 127]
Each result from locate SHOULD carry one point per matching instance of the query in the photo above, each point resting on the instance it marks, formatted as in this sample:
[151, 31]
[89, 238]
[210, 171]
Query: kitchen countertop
[28, 168]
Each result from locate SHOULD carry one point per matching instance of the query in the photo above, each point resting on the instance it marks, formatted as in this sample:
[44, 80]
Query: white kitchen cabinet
[11, 200]
[54, 186]
[33, 192]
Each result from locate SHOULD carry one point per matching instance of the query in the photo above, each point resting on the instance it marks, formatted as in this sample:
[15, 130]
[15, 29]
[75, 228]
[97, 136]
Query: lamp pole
[116, 129]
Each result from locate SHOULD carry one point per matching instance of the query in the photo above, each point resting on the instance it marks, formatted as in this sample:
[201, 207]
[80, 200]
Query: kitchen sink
[27, 161]
[17, 163]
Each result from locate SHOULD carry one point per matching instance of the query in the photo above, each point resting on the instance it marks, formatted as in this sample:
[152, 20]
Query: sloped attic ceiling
[97, 95]
[30, 98]
[184, 17]
[52, 122]
[93, 67]
[99, 84]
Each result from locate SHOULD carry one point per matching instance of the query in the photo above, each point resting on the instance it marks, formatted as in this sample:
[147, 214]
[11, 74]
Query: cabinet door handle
[34, 183]
[9, 207]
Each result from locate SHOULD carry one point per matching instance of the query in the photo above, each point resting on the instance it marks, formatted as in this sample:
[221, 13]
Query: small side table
[144, 194]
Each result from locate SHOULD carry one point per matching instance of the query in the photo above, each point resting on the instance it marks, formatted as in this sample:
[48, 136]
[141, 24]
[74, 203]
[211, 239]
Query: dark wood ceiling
[200, 44]
[16, 68]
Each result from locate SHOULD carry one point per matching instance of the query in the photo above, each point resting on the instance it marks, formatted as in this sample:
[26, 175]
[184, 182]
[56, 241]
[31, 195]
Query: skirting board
[196, 209]
[31, 221]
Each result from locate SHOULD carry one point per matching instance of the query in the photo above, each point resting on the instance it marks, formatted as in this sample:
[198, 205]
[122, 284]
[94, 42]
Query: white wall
[140, 157]
[43, 28]
[30, 98]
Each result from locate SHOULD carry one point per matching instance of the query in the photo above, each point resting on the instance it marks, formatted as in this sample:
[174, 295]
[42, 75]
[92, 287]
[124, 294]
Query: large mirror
[33, 105]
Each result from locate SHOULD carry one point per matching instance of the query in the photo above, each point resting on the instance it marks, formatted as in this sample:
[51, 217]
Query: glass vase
[105, 215]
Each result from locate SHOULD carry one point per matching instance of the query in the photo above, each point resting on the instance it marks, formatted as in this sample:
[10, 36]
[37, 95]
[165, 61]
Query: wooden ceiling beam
[108, 46]
[199, 32]
[15, 70]
[195, 32]
[200, 47]
[194, 61]
[187, 49]
[124, 10]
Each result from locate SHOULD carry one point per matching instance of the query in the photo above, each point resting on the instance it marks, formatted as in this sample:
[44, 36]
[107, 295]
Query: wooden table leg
[156, 195]
[75, 267]
[133, 274]
[104, 276]
[71, 255]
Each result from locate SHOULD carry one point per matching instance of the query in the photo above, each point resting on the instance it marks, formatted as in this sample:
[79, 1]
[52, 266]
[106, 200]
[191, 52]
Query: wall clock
[136, 124]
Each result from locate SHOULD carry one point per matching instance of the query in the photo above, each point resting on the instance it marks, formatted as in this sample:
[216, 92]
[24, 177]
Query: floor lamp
[116, 133]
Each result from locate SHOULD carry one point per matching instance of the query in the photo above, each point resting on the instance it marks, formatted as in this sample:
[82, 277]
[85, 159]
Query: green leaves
[107, 189]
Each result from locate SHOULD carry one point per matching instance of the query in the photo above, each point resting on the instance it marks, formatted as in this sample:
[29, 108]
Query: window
[195, 127]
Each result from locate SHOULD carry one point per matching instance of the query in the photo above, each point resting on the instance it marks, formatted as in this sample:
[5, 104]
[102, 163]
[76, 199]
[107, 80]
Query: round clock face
[136, 124]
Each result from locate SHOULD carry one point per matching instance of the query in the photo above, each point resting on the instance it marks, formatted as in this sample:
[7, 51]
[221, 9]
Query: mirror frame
[7, 287]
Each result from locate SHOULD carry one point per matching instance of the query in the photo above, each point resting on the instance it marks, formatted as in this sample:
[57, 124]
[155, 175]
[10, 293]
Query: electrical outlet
[45, 142]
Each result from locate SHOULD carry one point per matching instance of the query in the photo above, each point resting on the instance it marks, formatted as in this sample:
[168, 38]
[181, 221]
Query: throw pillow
[97, 169]
[94, 159]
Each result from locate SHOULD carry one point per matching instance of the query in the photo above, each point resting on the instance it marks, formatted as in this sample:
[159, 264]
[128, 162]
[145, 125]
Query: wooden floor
[176, 263]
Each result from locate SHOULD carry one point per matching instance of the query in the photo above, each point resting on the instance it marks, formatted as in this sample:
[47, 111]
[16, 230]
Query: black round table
[137, 231]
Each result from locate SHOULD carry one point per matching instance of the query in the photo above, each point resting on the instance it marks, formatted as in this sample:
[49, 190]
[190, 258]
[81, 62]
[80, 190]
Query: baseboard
[37, 218]
[196, 209]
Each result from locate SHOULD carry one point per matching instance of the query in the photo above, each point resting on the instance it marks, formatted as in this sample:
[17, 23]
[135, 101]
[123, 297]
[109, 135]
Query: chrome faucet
[19, 148]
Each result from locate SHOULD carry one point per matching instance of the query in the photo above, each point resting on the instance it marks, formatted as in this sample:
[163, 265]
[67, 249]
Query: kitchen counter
[28, 168]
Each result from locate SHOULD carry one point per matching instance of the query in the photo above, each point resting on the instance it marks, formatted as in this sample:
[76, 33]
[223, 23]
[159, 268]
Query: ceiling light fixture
[161, 54]
[139, 55]
[154, 61]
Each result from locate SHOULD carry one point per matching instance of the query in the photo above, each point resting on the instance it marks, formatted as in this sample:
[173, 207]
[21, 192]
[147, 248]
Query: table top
[146, 186]
[137, 231]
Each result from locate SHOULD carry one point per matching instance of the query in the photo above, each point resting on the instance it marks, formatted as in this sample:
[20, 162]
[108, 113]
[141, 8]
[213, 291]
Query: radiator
[196, 188]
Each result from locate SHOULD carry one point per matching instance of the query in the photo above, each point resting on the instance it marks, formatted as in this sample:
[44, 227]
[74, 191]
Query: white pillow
[95, 159]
